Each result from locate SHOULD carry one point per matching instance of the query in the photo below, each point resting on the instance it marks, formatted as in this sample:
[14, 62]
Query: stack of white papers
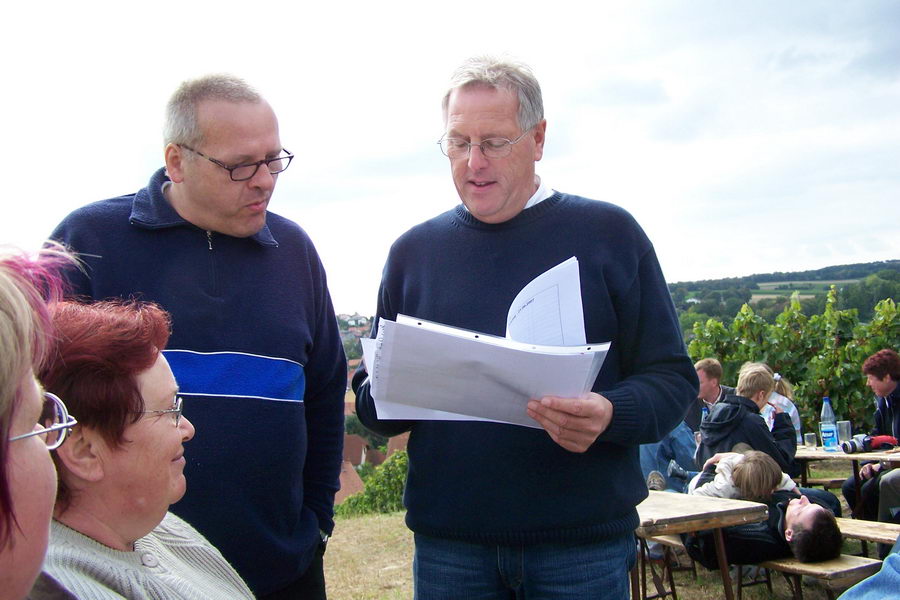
[424, 370]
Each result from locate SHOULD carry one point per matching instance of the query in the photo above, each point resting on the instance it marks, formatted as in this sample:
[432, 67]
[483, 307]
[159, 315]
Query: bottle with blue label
[828, 427]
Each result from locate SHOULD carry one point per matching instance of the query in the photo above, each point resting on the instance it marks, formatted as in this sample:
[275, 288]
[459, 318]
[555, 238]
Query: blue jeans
[678, 445]
[452, 570]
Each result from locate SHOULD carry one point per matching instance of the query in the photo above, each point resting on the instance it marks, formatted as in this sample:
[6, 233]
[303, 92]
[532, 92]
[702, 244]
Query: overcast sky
[745, 137]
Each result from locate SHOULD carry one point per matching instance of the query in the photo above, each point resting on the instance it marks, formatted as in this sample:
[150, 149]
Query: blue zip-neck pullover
[257, 354]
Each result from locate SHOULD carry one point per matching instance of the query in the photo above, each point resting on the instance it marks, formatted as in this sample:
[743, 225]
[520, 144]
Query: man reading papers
[501, 510]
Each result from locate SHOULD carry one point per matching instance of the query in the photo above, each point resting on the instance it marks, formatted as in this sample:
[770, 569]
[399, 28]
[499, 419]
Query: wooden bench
[869, 531]
[670, 564]
[827, 483]
[835, 575]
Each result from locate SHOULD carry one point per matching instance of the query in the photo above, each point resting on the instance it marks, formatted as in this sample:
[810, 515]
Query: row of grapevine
[821, 355]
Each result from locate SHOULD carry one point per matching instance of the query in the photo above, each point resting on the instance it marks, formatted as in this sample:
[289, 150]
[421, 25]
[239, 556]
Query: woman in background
[782, 397]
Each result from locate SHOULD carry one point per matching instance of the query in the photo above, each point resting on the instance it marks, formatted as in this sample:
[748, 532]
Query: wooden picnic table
[806, 454]
[672, 513]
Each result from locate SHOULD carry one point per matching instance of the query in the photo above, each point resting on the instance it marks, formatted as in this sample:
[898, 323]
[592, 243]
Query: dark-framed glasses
[247, 171]
[454, 148]
[54, 423]
[175, 411]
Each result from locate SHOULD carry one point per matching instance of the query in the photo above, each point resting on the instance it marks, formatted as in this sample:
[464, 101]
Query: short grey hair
[498, 73]
[181, 126]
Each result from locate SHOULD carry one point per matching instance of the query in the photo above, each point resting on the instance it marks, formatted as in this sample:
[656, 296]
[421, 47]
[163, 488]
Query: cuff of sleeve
[624, 424]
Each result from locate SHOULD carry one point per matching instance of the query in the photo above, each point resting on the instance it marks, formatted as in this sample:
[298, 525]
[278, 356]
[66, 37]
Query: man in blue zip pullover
[255, 345]
[503, 511]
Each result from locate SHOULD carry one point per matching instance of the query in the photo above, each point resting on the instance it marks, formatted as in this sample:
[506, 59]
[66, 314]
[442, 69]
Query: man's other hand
[573, 423]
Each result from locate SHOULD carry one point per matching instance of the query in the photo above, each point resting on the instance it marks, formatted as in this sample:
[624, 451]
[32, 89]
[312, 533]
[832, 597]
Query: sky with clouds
[745, 137]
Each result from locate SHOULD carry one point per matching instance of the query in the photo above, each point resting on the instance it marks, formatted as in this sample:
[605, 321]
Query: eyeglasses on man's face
[54, 423]
[175, 411]
[247, 171]
[455, 148]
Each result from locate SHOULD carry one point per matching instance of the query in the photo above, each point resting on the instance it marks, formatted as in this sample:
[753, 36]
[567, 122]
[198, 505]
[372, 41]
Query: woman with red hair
[112, 534]
[879, 493]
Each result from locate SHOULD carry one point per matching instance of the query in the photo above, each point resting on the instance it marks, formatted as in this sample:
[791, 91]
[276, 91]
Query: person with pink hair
[32, 422]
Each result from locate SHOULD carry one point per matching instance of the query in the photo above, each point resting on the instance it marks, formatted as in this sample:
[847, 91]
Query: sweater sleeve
[365, 404]
[326, 372]
[659, 382]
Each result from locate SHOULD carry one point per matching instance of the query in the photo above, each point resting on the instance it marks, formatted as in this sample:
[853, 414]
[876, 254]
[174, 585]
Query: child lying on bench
[796, 525]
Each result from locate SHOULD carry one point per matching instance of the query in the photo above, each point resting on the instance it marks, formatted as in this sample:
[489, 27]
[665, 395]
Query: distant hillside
[833, 273]
[861, 286]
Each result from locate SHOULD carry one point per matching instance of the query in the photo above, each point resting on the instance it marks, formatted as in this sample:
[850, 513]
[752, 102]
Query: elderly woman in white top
[112, 535]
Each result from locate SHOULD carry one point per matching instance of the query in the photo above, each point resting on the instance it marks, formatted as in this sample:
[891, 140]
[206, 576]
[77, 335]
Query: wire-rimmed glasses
[246, 172]
[455, 148]
[175, 411]
[55, 423]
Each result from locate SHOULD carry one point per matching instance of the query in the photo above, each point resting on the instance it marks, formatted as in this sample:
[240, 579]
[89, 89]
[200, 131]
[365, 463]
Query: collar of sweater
[151, 210]
[526, 216]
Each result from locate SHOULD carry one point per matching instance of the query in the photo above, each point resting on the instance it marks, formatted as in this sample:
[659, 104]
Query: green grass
[370, 558]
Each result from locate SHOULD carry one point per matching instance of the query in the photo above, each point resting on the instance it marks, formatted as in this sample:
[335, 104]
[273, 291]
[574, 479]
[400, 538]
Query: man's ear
[788, 534]
[539, 133]
[82, 453]
[174, 156]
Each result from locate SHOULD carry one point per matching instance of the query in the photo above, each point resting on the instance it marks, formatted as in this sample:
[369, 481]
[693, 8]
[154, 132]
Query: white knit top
[173, 561]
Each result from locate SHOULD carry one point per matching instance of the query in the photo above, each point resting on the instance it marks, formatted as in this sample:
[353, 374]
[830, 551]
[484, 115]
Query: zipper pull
[209, 238]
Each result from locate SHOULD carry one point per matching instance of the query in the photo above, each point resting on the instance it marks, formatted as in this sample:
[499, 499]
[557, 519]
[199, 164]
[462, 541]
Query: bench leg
[635, 584]
[658, 583]
[795, 583]
[669, 558]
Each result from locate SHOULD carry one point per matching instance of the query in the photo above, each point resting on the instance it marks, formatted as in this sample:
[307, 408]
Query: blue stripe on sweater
[237, 374]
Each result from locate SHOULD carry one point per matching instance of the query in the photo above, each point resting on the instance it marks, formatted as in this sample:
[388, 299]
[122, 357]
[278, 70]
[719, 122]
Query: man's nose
[477, 159]
[263, 178]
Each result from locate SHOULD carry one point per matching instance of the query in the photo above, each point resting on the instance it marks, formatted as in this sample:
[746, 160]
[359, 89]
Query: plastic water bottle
[828, 427]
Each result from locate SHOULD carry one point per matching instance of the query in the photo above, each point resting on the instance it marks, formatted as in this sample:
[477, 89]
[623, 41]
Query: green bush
[821, 355]
[384, 489]
[365, 470]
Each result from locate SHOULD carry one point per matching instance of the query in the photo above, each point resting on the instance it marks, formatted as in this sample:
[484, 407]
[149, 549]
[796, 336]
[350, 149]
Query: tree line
[705, 302]
[821, 354]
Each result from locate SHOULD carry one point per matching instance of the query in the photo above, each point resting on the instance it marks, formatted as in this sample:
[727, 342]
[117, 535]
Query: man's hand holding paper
[573, 423]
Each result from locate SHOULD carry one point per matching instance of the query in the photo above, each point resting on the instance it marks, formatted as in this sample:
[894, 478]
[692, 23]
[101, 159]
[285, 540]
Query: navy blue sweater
[258, 357]
[887, 414]
[497, 483]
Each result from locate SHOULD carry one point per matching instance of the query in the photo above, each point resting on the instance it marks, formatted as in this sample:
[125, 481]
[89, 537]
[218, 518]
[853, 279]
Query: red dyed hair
[884, 362]
[100, 351]
[27, 285]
